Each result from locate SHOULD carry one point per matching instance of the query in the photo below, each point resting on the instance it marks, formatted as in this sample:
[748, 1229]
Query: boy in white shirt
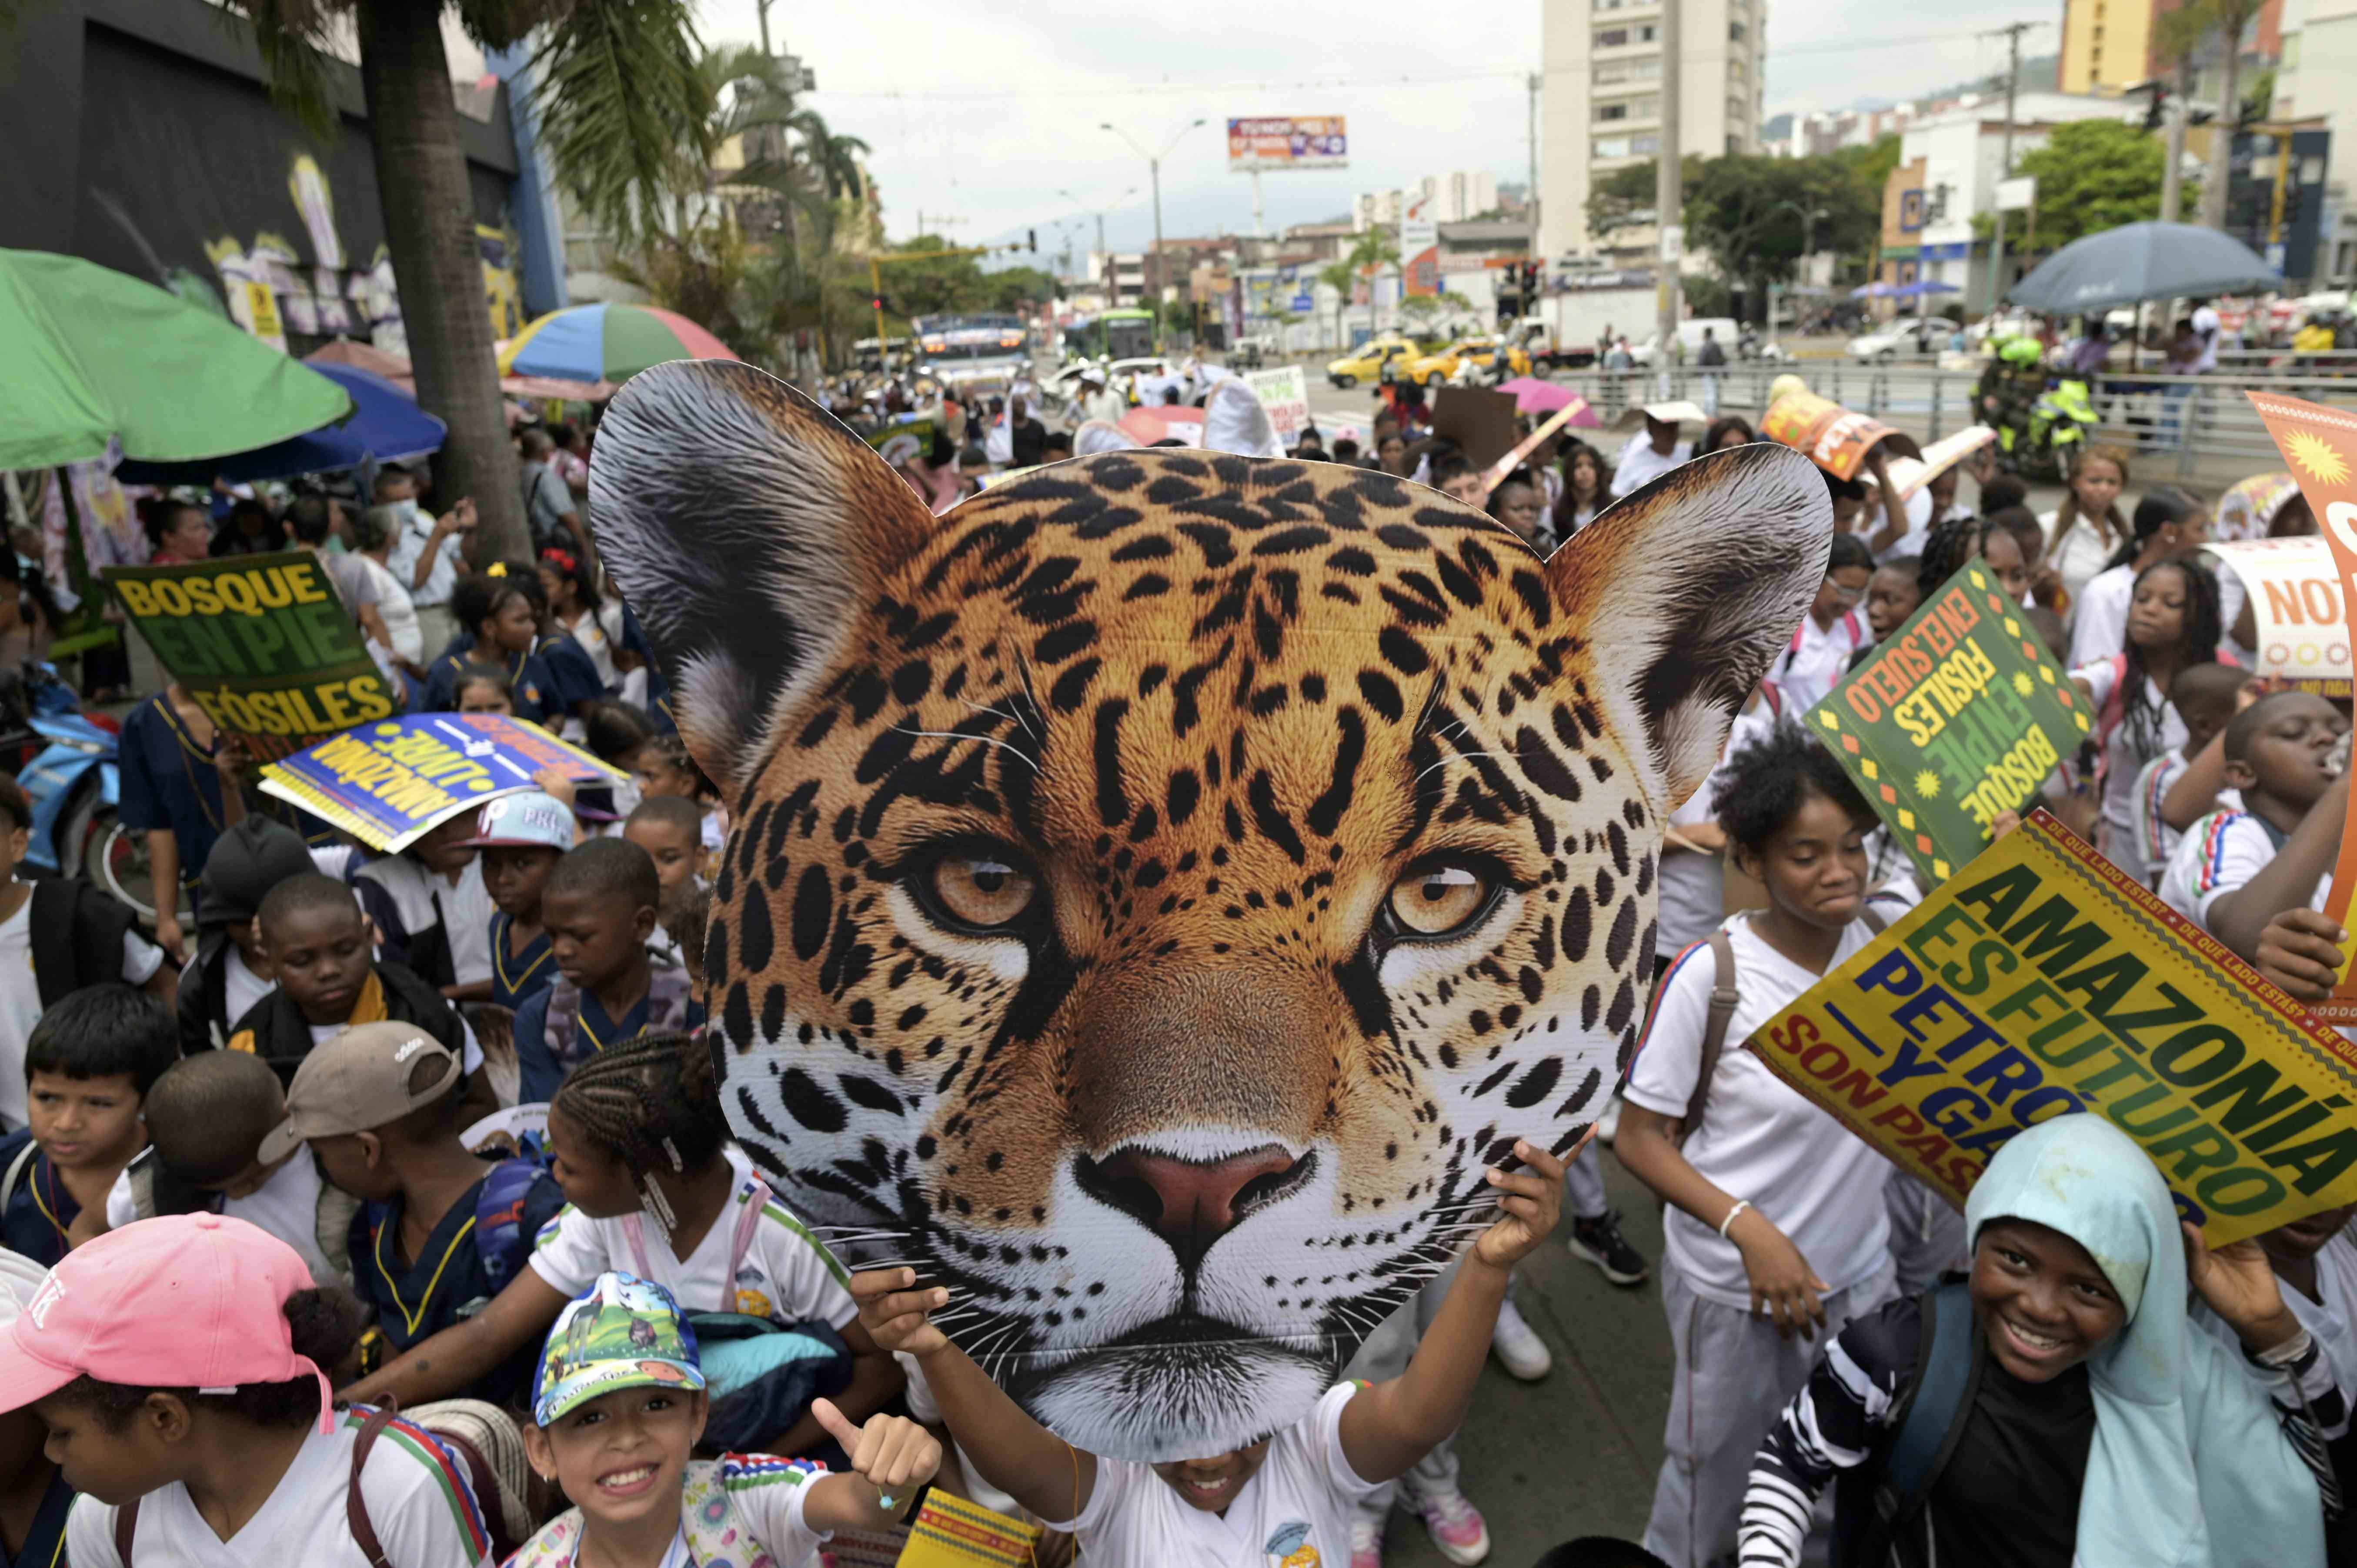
[1286, 1499]
[2245, 876]
[2203, 696]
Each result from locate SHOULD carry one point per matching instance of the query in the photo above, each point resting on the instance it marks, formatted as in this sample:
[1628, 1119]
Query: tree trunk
[2222, 139]
[429, 226]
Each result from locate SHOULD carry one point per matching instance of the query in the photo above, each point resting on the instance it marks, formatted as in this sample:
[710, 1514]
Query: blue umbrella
[1928, 286]
[2138, 261]
[385, 426]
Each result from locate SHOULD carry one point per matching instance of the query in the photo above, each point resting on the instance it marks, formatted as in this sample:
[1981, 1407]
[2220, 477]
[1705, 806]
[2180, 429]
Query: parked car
[1910, 338]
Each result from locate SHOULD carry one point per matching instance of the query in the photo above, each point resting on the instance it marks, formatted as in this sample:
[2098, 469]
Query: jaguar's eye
[979, 891]
[1435, 902]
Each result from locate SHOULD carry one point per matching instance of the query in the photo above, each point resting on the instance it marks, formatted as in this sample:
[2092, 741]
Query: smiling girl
[2098, 1426]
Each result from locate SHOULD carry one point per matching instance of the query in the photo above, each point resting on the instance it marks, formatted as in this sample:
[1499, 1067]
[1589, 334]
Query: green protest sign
[262, 643]
[1958, 715]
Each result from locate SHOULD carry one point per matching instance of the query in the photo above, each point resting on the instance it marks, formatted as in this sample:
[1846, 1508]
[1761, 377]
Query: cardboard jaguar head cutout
[1158, 887]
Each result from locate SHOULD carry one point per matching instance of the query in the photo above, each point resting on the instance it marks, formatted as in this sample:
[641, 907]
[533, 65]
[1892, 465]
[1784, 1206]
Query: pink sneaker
[1366, 1541]
[1457, 1527]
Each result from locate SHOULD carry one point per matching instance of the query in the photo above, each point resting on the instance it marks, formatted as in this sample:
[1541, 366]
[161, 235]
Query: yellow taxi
[1366, 363]
[1432, 369]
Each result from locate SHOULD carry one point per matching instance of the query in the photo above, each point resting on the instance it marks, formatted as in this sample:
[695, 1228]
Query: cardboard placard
[1481, 423]
[1495, 474]
[1285, 394]
[1956, 716]
[2043, 981]
[2293, 586]
[1834, 438]
[1912, 474]
[262, 642]
[388, 784]
[2319, 445]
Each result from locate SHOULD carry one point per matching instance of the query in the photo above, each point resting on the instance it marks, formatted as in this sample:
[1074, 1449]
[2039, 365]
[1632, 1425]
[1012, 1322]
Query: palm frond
[292, 37]
[623, 109]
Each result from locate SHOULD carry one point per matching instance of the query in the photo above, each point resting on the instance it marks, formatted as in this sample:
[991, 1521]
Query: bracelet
[1740, 1205]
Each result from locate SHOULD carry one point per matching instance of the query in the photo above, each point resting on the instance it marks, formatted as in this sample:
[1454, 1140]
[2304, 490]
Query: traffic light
[1031, 239]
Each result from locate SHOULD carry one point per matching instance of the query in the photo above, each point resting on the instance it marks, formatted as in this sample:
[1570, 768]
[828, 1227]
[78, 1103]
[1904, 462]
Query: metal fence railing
[2184, 427]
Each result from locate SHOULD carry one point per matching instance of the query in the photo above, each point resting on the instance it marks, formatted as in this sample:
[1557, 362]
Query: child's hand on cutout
[894, 1313]
[1532, 1199]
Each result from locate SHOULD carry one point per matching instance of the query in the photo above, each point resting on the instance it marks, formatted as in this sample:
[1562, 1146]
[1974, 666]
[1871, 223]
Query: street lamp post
[1154, 167]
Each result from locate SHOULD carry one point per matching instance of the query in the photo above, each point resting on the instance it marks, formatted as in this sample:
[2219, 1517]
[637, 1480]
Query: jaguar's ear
[749, 531]
[1688, 588]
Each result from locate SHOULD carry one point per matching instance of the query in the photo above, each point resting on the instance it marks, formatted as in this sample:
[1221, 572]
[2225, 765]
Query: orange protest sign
[1835, 439]
[2321, 444]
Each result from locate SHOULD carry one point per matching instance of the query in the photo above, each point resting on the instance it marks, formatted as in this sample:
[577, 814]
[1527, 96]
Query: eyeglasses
[1847, 596]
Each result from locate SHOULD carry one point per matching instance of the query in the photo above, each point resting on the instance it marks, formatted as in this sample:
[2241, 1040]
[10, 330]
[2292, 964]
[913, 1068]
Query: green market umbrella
[88, 354]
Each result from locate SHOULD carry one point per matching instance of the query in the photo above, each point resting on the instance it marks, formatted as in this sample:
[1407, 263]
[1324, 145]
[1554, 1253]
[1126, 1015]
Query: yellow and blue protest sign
[387, 784]
[2043, 981]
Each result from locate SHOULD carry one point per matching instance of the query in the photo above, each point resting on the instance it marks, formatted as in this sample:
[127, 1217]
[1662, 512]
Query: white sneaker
[1518, 1347]
[1607, 1125]
[1458, 1531]
[1366, 1540]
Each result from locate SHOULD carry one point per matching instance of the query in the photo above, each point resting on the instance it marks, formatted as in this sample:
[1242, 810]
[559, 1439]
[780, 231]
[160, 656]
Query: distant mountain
[2041, 73]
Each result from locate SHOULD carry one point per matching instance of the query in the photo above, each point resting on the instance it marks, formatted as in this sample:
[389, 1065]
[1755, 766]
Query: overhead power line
[1347, 84]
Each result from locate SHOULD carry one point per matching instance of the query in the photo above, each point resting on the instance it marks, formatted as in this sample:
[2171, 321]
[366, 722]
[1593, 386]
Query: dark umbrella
[387, 426]
[2138, 261]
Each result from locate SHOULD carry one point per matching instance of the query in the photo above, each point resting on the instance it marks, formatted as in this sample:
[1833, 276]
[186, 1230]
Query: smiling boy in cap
[440, 1230]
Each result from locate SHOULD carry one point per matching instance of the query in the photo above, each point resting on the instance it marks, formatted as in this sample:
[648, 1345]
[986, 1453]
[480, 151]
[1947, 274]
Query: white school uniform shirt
[464, 909]
[241, 987]
[287, 1206]
[1639, 464]
[2078, 555]
[2099, 623]
[418, 1499]
[2122, 763]
[400, 612]
[2149, 832]
[781, 1270]
[20, 999]
[2217, 855]
[1296, 1508]
[1813, 662]
[2332, 1316]
[1920, 523]
[1759, 1138]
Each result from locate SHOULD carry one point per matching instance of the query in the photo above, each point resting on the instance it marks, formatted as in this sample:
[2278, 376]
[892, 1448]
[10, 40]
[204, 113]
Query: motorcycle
[2046, 444]
[74, 786]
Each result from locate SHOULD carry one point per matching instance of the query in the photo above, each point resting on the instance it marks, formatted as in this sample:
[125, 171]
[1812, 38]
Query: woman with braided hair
[2173, 622]
[655, 1189]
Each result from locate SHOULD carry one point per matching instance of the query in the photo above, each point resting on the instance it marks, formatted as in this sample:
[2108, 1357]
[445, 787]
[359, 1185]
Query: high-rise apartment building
[2111, 44]
[1600, 108]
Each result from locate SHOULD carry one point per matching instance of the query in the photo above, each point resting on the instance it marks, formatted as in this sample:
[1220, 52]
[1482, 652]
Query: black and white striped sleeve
[2310, 1405]
[1830, 1427]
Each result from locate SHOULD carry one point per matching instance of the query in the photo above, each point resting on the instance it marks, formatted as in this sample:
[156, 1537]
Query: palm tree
[621, 61]
[1339, 277]
[2181, 33]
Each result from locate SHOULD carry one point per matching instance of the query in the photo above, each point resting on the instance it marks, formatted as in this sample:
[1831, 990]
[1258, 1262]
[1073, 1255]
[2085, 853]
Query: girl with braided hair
[655, 1189]
[2169, 521]
[2173, 623]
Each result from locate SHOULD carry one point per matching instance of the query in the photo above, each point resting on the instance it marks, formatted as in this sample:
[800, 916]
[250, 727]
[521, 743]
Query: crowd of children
[262, 1182]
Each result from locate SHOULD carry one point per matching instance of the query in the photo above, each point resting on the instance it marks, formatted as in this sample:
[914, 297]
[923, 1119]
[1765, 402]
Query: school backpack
[1950, 1353]
[669, 996]
[480, 1478]
[1724, 1000]
[501, 1237]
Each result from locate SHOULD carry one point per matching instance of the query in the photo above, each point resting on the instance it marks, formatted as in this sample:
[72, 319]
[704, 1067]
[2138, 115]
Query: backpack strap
[1875, 921]
[356, 1514]
[1948, 1361]
[127, 1528]
[1724, 999]
[16, 1173]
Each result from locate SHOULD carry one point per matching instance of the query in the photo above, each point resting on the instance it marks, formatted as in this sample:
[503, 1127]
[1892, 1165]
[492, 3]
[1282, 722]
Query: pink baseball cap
[184, 1301]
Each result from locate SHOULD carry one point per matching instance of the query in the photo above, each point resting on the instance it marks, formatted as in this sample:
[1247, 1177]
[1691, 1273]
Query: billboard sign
[1288, 140]
[1419, 248]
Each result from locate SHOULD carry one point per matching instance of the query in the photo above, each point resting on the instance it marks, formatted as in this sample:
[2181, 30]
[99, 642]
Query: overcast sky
[977, 120]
